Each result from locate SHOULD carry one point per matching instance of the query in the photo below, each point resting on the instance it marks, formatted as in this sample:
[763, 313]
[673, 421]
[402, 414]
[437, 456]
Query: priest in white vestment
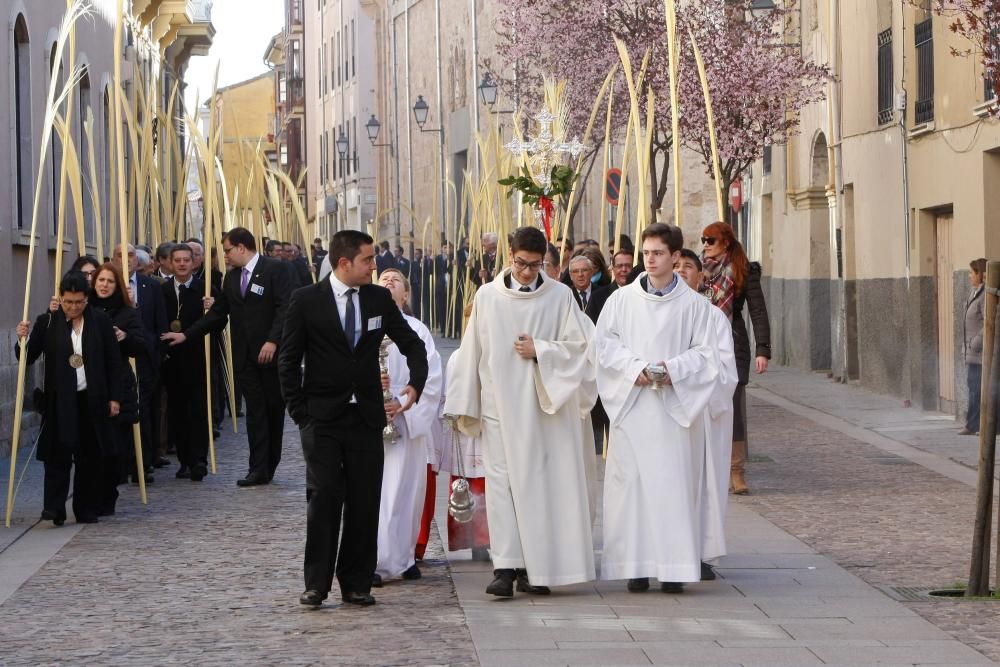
[655, 475]
[523, 381]
[718, 427]
[404, 473]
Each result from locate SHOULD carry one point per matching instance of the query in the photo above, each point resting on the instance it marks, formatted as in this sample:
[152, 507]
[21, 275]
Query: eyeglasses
[527, 266]
[709, 240]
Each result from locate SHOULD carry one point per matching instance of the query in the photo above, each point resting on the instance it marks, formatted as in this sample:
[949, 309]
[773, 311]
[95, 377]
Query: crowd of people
[566, 354]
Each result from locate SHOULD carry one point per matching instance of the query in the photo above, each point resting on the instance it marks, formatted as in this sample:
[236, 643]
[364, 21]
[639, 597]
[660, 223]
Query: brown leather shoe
[737, 481]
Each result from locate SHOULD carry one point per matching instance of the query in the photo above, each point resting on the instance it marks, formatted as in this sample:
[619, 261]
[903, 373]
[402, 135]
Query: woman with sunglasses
[732, 281]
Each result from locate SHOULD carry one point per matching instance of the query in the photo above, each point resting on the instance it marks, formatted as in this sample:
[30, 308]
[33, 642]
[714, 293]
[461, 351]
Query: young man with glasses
[522, 380]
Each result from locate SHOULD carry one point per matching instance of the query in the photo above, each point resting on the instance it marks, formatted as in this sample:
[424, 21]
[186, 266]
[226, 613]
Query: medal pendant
[76, 361]
[176, 327]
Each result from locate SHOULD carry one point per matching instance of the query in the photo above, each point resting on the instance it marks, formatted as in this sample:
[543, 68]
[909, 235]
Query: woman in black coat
[82, 394]
[111, 297]
[732, 282]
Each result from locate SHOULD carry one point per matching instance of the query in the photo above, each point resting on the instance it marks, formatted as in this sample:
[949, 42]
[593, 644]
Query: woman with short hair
[972, 325]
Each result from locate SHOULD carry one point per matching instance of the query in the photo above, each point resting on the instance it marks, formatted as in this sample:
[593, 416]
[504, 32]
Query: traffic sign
[613, 185]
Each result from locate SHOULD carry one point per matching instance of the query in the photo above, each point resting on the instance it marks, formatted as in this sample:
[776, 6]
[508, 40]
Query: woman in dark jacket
[82, 394]
[731, 281]
[111, 297]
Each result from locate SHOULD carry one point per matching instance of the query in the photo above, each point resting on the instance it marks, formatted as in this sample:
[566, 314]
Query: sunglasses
[708, 240]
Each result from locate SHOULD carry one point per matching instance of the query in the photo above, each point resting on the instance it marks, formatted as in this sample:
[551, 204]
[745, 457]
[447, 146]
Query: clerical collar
[662, 292]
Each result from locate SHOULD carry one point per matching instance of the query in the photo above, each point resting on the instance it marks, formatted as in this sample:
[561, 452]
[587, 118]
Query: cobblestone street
[841, 517]
[209, 574]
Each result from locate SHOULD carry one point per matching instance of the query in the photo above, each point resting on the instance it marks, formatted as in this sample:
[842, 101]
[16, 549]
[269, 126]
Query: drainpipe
[409, 128]
[475, 85]
[440, 105]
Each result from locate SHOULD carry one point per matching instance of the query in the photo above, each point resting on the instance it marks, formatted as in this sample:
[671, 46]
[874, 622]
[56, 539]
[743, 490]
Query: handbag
[461, 502]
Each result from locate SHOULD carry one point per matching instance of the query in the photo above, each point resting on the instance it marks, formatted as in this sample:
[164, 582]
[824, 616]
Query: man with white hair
[581, 270]
[486, 267]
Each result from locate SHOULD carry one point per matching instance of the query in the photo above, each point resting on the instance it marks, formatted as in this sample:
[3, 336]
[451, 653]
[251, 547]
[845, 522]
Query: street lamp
[420, 111]
[761, 9]
[488, 93]
[373, 127]
[343, 145]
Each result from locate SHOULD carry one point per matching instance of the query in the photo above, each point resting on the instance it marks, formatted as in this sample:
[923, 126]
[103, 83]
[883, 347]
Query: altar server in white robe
[404, 474]
[655, 476]
[523, 380]
[718, 427]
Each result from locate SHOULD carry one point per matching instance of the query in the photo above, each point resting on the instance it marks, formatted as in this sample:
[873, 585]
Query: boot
[524, 586]
[737, 467]
[502, 584]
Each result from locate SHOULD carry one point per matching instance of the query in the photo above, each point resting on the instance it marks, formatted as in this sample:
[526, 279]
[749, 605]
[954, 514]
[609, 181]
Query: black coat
[153, 315]
[384, 260]
[102, 365]
[753, 297]
[134, 345]
[185, 363]
[333, 372]
[598, 297]
[302, 276]
[256, 318]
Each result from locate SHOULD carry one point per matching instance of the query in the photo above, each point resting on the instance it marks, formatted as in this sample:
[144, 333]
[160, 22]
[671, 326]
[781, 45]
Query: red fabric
[425, 519]
[475, 533]
[545, 204]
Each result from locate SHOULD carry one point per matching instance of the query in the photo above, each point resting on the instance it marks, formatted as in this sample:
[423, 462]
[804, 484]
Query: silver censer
[390, 434]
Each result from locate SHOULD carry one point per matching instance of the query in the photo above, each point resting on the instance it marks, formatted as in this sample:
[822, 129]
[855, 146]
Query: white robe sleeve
[565, 368]
[465, 389]
[617, 365]
[693, 373]
[421, 417]
[722, 397]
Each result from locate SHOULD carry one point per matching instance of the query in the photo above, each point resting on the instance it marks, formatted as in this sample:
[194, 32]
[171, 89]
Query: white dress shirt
[340, 296]
[77, 338]
[515, 284]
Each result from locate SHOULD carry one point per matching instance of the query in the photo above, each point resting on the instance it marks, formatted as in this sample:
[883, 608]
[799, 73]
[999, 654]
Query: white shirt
[77, 338]
[340, 296]
[585, 293]
[177, 290]
[515, 284]
[133, 282]
[251, 265]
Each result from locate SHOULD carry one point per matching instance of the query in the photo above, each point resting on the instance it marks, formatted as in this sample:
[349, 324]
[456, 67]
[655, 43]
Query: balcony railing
[296, 94]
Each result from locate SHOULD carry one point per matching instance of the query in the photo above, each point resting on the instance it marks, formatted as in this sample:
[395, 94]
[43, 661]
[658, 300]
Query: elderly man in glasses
[522, 379]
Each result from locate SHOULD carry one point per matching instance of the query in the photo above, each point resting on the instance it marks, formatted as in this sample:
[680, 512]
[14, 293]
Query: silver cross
[543, 150]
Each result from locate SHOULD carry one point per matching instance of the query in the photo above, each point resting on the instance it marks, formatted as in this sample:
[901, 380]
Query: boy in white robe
[718, 428]
[404, 475]
[654, 479]
[523, 380]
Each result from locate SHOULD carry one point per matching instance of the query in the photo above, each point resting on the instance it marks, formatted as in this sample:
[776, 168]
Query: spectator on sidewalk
[973, 347]
[732, 281]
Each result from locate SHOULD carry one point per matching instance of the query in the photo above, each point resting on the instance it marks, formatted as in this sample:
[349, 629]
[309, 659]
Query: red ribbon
[545, 204]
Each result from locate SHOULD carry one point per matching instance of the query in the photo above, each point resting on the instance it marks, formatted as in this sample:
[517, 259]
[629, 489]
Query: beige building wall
[912, 205]
[245, 113]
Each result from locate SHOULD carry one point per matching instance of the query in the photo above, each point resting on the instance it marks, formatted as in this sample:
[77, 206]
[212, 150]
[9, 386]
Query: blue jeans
[975, 378]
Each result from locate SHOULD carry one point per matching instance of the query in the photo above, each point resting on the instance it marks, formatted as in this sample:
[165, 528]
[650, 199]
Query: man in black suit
[385, 260]
[148, 298]
[402, 263]
[254, 295]
[337, 326]
[442, 281]
[184, 368]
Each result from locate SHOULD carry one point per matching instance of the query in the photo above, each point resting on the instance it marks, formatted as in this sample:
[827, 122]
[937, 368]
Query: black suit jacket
[153, 312]
[256, 318]
[383, 261]
[186, 362]
[333, 372]
[598, 297]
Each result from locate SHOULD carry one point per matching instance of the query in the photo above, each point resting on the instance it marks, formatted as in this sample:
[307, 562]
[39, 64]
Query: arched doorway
[820, 272]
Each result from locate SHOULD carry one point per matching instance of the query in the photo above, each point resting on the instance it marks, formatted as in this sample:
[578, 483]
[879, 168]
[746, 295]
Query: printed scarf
[718, 285]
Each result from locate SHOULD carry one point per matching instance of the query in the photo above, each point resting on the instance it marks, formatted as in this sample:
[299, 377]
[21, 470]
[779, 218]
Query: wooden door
[945, 282]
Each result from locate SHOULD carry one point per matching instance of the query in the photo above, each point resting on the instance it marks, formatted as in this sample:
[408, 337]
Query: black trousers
[974, 380]
[343, 479]
[187, 415]
[85, 462]
[149, 419]
[265, 414]
[601, 425]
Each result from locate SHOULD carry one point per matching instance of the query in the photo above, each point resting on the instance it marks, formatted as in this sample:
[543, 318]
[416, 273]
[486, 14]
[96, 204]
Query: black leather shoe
[183, 472]
[707, 573]
[361, 599]
[312, 598]
[198, 473]
[161, 462]
[53, 517]
[251, 480]
[672, 587]
[640, 585]
[412, 573]
[524, 586]
[502, 584]
[376, 581]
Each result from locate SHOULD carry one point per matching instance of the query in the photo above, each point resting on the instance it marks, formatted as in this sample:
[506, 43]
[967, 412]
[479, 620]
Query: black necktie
[583, 299]
[658, 293]
[524, 288]
[349, 318]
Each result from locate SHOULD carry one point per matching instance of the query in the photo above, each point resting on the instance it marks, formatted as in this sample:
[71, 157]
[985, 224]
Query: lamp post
[343, 145]
[488, 94]
[373, 127]
[761, 9]
[420, 112]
